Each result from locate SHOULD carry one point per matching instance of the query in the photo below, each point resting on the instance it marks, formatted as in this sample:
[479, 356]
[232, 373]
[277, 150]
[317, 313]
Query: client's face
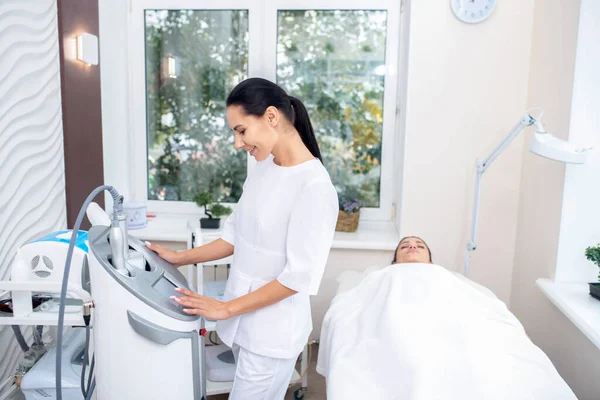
[412, 250]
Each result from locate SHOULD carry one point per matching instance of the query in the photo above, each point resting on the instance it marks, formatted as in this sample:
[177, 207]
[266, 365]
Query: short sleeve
[228, 234]
[309, 238]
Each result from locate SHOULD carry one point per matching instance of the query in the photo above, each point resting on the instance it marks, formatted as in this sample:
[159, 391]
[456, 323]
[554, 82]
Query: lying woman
[414, 330]
[412, 249]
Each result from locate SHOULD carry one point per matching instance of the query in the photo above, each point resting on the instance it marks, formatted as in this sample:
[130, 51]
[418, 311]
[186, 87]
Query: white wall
[114, 85]
[554, 44]
[580, 217]
[467, 87]
[31, 139]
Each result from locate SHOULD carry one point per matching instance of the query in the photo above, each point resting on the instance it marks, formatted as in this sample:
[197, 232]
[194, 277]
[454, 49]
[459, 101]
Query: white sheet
[418, 332]
[350, 279]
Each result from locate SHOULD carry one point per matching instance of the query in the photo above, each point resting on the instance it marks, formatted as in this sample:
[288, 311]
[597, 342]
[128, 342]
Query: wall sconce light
[170, 66]
[87, 48]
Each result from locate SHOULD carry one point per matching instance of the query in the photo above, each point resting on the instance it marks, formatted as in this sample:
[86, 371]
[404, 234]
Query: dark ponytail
[255, 95]
[304, 127]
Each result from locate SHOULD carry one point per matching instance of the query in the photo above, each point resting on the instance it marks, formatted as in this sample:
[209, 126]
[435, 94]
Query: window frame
[262, 59]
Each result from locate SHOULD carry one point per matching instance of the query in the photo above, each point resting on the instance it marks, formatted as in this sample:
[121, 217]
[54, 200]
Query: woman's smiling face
[256, 135]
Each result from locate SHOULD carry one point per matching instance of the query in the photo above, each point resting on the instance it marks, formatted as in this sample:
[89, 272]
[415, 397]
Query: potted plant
[593, 254]
[349, 212]
[213, 210]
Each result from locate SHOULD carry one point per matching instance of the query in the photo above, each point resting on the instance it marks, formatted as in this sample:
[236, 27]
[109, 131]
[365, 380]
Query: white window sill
[371, 235]
[574, 300]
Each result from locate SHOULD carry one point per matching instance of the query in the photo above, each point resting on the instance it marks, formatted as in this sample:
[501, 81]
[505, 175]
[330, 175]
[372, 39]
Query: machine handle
[164, 336]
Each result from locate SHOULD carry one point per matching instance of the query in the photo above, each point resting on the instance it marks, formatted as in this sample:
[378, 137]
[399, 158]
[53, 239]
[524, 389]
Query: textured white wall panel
[32, 179]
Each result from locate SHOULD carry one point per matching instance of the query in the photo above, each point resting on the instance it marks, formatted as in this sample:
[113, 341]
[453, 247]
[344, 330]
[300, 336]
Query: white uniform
[282, 229]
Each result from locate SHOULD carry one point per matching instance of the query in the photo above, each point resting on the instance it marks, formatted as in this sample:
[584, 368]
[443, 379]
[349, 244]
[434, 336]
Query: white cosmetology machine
[38, 383]
[145, 346]
[38, 268]
[36, 278]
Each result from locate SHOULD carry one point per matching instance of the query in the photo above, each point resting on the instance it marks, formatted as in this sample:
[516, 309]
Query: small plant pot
[595, 290]
[347, 222]
[210, 223]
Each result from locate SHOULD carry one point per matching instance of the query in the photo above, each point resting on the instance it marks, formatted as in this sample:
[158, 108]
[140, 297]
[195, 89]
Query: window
[193, 59]
[336, 64]
[338, 57]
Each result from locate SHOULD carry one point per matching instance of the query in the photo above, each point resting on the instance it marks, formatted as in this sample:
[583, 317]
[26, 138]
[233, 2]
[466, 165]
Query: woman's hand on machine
[166, 254]
[207, 307]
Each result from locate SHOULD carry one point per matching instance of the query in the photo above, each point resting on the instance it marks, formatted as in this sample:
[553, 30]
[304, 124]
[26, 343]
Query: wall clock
[472, 11]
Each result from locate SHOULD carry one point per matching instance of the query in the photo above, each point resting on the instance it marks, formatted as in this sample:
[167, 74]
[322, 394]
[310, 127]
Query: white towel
[416, 331]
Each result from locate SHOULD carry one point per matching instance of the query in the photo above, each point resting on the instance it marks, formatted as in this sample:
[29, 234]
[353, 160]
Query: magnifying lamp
[542, 144]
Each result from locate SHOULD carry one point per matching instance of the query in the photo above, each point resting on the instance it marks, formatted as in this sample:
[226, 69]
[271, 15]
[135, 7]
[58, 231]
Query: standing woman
[280, 236]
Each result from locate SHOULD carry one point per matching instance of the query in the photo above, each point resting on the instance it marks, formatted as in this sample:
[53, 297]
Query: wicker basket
[347, 222]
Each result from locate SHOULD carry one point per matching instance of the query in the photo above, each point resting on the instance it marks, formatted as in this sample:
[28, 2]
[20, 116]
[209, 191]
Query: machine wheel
[299, 394]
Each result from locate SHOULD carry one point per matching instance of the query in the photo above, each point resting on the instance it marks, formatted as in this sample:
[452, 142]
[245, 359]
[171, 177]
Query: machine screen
[165, 287]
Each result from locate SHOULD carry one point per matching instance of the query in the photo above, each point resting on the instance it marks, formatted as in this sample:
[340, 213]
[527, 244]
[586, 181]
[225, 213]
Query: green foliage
[593, 254]
[219, 210]
[212, 208]
[204, 199]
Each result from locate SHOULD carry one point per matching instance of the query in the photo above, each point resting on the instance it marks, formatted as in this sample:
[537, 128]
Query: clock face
[472, 11]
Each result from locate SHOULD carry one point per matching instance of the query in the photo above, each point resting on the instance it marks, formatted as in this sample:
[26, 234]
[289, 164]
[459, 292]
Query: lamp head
[545, 145]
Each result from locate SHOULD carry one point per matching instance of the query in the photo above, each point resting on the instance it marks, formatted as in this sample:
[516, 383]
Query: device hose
[38, 334]
[91, 390]
[85, 361]
[91, 373]
[20, 339]
[118, 206]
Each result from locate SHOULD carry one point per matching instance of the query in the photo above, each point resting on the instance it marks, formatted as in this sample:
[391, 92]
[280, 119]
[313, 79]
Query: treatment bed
[421, 332]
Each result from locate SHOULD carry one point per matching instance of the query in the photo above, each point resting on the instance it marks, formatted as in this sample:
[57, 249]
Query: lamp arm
[481, 167]
[526, 120]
